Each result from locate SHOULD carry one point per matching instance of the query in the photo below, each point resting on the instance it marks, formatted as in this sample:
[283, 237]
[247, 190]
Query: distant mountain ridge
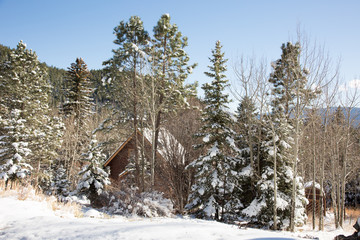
[354, 114]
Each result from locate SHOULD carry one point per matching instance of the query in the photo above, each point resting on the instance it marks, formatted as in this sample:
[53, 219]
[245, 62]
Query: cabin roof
[165, 139]
[310, 185]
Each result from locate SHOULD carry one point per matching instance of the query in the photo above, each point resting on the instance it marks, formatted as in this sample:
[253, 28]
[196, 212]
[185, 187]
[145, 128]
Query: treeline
[58, 126]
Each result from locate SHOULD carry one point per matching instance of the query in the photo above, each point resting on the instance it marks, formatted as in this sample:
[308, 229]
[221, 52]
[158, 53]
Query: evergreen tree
[215, 179]
[77, 108]
[246, 141]
[25, 98]
[170, 67]
[279, 172]
[60, 185]
[14, 152]
[292, 95]
[93, 177]
[78, 92]
[126, 70]
[275, 184]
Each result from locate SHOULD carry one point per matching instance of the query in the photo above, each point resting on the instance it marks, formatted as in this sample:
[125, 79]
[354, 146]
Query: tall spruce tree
[271, 206]
[78, 92]
[25, 97]
[77, 109]
[215, 179]
[246, 141]
[290, 96]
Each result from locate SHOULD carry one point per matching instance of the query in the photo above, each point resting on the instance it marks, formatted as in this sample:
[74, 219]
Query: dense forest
[292, 126]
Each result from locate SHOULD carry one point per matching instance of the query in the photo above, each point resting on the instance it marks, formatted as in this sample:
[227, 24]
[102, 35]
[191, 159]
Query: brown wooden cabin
[120, 159]
[309, 195]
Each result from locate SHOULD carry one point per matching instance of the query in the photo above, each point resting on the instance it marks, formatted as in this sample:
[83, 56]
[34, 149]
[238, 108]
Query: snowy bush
[129, 202]
[152, 204]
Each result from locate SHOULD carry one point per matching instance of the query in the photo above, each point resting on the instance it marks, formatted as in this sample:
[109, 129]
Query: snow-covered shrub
[130, 202]
[73, 197]
[152, 204]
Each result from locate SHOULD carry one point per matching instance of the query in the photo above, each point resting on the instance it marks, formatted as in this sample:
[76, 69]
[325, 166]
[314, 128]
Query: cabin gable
[118, 161]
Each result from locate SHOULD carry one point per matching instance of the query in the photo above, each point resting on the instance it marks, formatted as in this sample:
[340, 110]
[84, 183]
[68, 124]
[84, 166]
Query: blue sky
[61, 31]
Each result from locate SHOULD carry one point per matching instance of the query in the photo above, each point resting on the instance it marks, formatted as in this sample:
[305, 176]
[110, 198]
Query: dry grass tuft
[23, 192]
[69, 207]
[351, 216]
[352, 213]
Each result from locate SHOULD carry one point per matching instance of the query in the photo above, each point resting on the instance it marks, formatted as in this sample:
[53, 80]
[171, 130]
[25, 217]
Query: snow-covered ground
[29, 219]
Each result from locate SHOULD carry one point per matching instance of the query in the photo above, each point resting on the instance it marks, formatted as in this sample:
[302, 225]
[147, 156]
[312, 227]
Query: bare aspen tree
[251, 82]
[348, 103]
[322, 75]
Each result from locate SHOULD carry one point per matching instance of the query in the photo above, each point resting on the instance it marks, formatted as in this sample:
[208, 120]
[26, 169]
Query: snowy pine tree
[77, 108]
[292, 94]
[215, 179]
[275, 183]
[247, 142]
[169, 69]
[279, 185]
[78, 92]
[126, 77]
[15, 150]
[25, 95]
[93, 178]
[60, 184]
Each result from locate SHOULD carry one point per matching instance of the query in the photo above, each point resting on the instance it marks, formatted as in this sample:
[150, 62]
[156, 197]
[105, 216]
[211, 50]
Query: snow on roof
[310, 184]
[168, 145]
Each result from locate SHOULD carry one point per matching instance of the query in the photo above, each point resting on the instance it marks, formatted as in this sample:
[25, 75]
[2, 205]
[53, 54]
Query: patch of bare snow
[31, 219]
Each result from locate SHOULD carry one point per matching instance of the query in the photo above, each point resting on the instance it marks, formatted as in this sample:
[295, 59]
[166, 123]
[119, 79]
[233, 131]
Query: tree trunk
[313, 187]
[158, 118]
[143, 160]
[275, 183]
[135, 126]
[333, 192]
[338, 198]
[155, 134]
[321, 180]
[321, 200]
[296, 154]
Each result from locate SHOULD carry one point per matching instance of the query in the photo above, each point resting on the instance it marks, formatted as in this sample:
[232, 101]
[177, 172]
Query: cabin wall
[309, 195]
[120, 161]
